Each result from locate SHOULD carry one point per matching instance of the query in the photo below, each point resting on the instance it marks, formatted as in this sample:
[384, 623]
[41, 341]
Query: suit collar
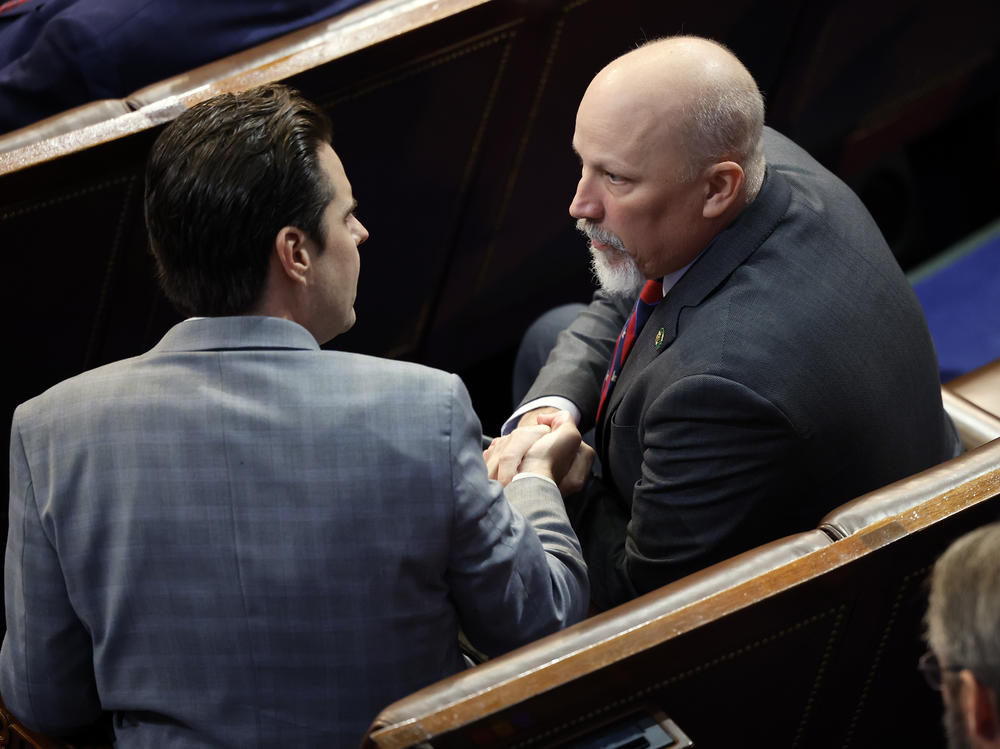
[729, 249]
[724, 254]
[233, 333]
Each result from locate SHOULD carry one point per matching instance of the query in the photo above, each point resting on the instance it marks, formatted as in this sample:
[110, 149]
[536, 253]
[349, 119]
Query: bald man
[785, 366]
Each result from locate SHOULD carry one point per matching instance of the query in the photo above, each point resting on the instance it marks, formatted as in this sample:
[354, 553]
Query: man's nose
[585, 204]
[360, 232]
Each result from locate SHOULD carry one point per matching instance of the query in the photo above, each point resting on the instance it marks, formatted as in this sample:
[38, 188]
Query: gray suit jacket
[240, 540]
[788, 371]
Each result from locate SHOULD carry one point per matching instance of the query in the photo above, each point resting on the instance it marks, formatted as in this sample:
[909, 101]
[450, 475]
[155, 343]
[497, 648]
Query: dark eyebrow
[351, 208]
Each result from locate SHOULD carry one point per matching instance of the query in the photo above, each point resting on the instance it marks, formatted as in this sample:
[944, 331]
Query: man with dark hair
[963, 623]
[238, 539]
[784, 365]
[238, 206]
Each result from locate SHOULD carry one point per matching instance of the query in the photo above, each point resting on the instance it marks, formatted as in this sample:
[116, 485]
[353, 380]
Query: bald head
[691, 95]
[669, 72]
[669, 140]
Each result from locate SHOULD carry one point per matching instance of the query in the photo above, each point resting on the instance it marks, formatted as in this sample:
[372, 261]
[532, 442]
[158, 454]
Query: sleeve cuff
[556, 401]
[529, 475]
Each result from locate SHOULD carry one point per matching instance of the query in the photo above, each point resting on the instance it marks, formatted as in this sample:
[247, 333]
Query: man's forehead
[612, 130]
[330, 161]
[333, 167]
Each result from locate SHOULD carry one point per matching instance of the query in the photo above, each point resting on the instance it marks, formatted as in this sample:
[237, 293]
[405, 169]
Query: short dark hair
[221, 182]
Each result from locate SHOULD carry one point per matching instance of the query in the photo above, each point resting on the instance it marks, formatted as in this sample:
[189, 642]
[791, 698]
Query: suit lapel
[723, 255]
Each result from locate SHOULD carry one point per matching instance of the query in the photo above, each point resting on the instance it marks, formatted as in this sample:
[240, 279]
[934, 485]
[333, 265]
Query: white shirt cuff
[563, 404]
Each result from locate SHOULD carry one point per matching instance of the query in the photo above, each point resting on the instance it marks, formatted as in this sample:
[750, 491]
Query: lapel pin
[659, 338]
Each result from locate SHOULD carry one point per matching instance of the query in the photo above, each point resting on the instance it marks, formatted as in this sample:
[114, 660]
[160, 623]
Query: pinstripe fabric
[262, 543]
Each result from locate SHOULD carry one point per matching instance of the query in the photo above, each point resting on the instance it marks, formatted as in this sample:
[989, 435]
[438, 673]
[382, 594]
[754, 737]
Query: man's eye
[614, 179]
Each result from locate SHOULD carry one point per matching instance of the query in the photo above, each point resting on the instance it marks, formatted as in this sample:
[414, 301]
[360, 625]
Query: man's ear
[723, 183]
[292, 248]
[980, 710]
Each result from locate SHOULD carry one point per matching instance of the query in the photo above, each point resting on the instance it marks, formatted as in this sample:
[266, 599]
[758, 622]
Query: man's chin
[621, 278]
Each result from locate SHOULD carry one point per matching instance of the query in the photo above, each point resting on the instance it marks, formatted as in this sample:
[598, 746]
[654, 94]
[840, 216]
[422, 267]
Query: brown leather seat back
[818, 652]
[673, 640]
[976, 426]
[973, 402]
[85, 115]
[980, 386]
[897, 533]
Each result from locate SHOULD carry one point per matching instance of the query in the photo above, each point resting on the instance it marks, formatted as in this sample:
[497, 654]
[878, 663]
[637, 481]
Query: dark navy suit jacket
[788, 371]
[58, 54]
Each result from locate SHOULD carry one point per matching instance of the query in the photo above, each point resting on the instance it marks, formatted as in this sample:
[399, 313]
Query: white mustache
[594, 232]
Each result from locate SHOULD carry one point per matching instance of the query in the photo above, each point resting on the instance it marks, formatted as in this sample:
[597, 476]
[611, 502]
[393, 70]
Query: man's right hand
[552, 447]
[561, 453]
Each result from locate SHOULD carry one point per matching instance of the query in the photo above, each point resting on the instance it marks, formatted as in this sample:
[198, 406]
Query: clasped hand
[552, 447]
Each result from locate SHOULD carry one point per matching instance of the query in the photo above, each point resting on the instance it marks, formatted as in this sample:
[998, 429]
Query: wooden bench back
[808, 641]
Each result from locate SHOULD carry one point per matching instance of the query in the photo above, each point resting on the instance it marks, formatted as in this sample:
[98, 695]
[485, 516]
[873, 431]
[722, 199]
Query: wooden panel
[981, 387]
[975, 425]
[278, 59]
[518, 248]
[408, 124]
[814, 653]
[856, 69]
[81, 282]
[890, 96]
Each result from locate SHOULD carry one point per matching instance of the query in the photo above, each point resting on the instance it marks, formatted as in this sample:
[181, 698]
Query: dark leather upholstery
[975, 471]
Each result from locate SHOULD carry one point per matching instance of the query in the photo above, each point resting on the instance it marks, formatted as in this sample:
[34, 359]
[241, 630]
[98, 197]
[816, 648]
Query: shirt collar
[672, 278]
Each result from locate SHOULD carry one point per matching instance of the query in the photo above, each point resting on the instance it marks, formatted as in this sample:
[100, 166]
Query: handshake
[550, 447]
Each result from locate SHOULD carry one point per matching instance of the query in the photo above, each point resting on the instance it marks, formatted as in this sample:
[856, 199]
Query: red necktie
[11, 4]
[649, 297]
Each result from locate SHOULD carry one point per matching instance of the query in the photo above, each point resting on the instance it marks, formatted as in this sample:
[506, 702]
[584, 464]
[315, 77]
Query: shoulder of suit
[378, 366]
[79, 386]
